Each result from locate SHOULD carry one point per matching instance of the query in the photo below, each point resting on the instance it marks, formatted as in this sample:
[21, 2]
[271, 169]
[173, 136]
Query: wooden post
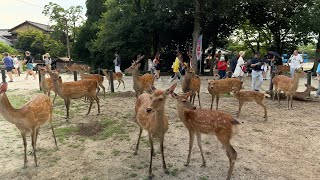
[111, 80]
[3, 72]
[99, 71]
[309, 76]
[39, 80]
[75, 75]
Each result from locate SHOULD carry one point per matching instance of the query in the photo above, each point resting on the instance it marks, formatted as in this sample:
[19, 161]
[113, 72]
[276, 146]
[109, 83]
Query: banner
[199, 48]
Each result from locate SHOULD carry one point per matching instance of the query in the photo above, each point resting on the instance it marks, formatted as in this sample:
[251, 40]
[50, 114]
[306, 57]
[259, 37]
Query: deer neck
[135, 76]
[181, 113]
[57, 87]
[8, 112]
[160, 118]
[186, 82]
[296, 80]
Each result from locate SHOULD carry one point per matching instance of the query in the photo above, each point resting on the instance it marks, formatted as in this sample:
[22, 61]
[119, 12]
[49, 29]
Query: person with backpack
[28, 61]
[117, 63]
[8, 64]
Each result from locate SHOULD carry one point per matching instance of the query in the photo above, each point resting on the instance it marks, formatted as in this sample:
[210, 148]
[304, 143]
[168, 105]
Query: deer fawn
[75, 90]
[205, 121]
[116, 76]
[286, 84]
[222, 86]
[191, 82]
[46, 83]
[29, 118]
[140, 83]
[151, 117]
[303, 95]
[249, 96]
[95, 77]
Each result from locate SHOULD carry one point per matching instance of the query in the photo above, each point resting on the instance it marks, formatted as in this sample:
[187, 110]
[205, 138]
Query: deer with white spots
[150, 115]
[117, 76]
[206, 121]
[96, 77]
[46, 83]
[29, 118]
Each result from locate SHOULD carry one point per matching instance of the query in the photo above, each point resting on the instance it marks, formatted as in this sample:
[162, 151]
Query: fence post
[39, 80]
[99, 70]
[3, 72]
[229, 74]
[75, 75]
[111, 80]
[309, 76]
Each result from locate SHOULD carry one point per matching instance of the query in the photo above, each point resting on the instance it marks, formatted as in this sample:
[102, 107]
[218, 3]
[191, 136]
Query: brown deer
[116, 76]
[222, 86]
[205, 121]
[98, 78]
[75, 90]
[29, 118]
[46, 83]
[151, 117]
[249, 96]
[191, 82]
[302, 96]
[281, 69]
[287, 85]
[74, 67]
[140, 83]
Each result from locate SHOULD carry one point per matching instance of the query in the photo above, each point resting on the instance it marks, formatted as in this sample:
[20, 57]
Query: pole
[229, 74]
[75, 75]
[99, 71]
[3, 72]
[68, 46]
[309, 76]
[40, 81]
[111, 80]
[273, 74]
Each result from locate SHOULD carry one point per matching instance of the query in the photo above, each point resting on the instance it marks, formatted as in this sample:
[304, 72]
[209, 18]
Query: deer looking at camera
[75, 90]
[191, 82]
[116, 77]
[29, 118]
[150, 115]
[46, 83]
[140, 83]
[205, 121]
[98, 78]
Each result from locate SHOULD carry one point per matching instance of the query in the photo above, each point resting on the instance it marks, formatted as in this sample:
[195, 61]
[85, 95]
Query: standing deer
[98, 78]
[46, 83]
[75, 90]
[287, 85]
[151, 117]
[29, 118]
[191, 82]
[116, 76]
[140, 83]
[205, 121]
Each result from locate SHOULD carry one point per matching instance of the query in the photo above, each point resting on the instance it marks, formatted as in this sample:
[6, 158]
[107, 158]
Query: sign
[199, 48]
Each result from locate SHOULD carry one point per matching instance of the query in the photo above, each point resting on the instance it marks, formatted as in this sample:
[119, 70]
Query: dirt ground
[287, 146]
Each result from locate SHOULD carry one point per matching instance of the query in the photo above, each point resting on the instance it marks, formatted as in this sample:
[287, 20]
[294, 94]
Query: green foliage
[6, 48]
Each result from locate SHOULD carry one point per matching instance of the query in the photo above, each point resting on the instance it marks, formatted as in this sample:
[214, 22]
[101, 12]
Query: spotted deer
[97, 77]
[191, 82]
[46, 83]
[205, 121]
[28, 119]
[116, 77]
[282, 69]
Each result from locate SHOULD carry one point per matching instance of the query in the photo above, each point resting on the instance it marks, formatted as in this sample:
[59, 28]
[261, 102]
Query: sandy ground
[287, 146]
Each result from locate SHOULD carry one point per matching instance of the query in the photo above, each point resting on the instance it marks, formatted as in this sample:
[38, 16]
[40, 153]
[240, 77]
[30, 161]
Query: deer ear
[171, 89]
[188, 94]
[3, 87]
[152, 88]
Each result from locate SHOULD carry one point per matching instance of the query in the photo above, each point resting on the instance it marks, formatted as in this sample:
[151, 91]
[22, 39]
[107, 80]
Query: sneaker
[256, 90]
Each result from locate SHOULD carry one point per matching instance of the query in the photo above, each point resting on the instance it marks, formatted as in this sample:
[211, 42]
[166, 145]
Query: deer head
[211, 84]
[42, 70]
[311, 88]
[54, 76]
[183, 101]
[299, 72]
[3, 87]
[159, 97]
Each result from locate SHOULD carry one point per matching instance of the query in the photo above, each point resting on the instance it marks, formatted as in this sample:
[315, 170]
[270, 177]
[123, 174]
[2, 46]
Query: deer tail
[267, 95]
[235, 127]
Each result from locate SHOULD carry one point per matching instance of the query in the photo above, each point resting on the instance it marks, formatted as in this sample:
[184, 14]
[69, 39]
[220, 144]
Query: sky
[14, 12]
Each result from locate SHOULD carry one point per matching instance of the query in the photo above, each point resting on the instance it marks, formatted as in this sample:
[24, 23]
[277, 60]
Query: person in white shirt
[238, 72]
[296, 62]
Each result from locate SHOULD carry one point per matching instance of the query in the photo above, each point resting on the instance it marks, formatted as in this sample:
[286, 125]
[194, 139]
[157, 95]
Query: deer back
[78, 89]
[223, 86]
[146, 80]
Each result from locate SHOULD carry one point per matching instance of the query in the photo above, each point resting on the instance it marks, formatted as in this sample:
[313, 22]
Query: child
[222, 67]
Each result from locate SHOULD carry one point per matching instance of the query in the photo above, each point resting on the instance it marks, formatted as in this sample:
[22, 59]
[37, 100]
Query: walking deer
[75, 90]
[249, 96]
[46, 83]
[302, 96]
[191, 82]
[287, 85]
[29, 118]
[116, 76]
[140, 83]
[151, 117]
[222, 86]
[98, 78]
[205, 121]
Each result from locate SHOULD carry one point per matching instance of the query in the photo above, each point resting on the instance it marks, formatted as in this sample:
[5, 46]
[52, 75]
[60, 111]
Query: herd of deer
[149, 107]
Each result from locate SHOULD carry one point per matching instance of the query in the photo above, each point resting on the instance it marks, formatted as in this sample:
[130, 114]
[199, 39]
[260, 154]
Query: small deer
[222, 86]
[205, 121]
[75, 90]
[140, 83]
[249, 96]
[151, 117]
[46, 83]
[191, 82]
[98, 78]
[281, 69]
[29, 118]
[302, 96]
[116, 76]
[287, 85]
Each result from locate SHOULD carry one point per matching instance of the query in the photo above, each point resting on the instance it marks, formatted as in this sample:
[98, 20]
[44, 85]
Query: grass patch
[112, 127]
[175, 172]
[62, 133]
[115, 152]
[203, 178]
[133, 175]
[17, 101]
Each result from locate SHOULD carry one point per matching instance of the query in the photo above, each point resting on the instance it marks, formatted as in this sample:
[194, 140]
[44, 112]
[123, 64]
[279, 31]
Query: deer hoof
[166, 171]
[187, 164]
[25, 166]
[135, 153]
[203, 165]
[150, 176]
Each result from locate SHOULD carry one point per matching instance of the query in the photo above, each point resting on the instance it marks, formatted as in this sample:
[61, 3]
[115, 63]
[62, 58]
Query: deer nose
[149, 110]
[211, 87]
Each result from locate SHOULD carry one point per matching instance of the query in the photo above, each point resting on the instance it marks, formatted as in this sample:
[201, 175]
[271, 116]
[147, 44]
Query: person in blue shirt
[8, 63]
[318, 78]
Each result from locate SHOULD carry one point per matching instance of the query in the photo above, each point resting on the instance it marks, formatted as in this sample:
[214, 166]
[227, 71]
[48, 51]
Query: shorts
[29, 66]
[9, 69]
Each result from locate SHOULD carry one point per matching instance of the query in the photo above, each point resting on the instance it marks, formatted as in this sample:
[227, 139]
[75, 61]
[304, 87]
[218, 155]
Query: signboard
[199, 48]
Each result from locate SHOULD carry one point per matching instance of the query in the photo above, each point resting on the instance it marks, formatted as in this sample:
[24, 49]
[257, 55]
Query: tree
[6, 48]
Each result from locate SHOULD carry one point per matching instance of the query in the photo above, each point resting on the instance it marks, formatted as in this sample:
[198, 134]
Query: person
[47, 60]
[318, 78]
[117, 63]
[157, 66]
[233, 62]
[28, 61]
[8, 64]
[15, 65]
[176, 67]
[150, 66]
[256, 74]
[296, 62]
[238, 72]
[222, 67]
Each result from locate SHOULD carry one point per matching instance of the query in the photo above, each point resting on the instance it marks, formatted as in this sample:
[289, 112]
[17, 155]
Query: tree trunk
[196, 31]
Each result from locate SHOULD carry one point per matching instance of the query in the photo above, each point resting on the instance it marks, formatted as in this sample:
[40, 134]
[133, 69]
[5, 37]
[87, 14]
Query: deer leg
[231, 153]
[199, 99]
[37, 134]
[67, 103]
[25, 149]
[91, 102]
[118, 84]
[137, 146]
[123, 84]
[162, 154]
[193, 97]
[278, 96]
[151, 152]
[218, 97]
[240, 106]
[191, 138]
[104, 90]
[288, 99]
[96, 98]
[291, 101]
[55, 95]
[200, 147]
[212, 101]
[265, 110]
[33, 141]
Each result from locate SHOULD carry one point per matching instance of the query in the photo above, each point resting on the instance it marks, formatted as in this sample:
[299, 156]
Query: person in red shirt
[222, 67]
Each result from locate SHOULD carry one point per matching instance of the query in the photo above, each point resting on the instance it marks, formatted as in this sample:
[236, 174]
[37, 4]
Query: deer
[97, 77]
[116, 76]
[191, 82]
[74, 67]
[302, 96]
[249, 96]
[281, 69]
[46, 83]
[222, 86]
[288, 85]
[75, 90]
[28, 119]
[206, 121]
[140, 83]
[150, 115]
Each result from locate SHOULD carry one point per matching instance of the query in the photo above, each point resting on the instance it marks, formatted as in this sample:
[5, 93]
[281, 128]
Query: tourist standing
[238, 72]
[8, 64]
[257, 77]
[222, 67]
[47, 61]
[28, 61]
[296, 62]
[117, 63]
[16, 65]
[157, 66]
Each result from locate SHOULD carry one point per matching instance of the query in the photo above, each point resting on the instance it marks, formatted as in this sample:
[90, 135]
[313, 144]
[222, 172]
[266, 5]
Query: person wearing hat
[238, 72]
[47, 60]
[257, 77]
[8, 63]
[28, 61]
[222, 67]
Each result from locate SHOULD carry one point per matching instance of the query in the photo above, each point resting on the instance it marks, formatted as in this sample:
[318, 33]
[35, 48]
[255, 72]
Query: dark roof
[4, 32]
[37, 25]
[6, 41]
